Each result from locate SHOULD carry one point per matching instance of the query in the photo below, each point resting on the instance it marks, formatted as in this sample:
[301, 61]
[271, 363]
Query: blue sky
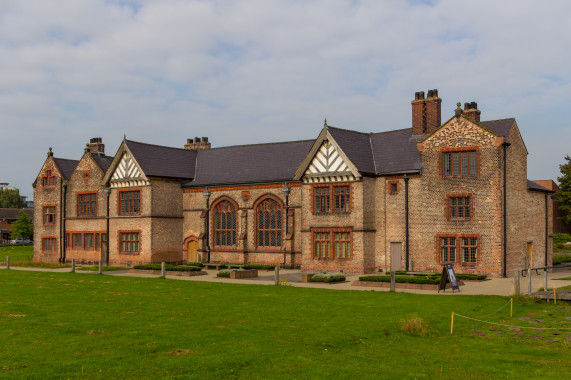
[255, 71]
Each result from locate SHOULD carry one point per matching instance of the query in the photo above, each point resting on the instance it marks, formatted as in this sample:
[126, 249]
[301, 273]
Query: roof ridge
[270, 143]
[394, 130]
[66, 159]
[160, 146]
[491, 121]
[349, 130]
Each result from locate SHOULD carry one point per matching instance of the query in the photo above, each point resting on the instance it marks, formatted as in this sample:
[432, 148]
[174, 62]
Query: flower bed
[171, 270]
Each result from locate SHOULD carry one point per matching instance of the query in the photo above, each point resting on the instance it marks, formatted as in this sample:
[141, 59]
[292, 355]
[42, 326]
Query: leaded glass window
[269, 214]
[225, 224]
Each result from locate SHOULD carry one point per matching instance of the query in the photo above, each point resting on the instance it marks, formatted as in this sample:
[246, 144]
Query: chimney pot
[205, 139]
[197, 139]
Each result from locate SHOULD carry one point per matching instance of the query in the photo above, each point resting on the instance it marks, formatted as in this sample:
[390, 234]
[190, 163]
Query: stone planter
[248, 273]
[398, 285]
[306, 277]
[169, 272]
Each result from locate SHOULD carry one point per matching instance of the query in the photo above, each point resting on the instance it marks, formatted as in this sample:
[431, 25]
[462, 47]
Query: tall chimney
[96, 145]
[472, 112]
[197, 144]
[426, 112]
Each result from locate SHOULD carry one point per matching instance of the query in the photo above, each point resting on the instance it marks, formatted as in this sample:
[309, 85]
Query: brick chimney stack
[426, 112]
[472, 112]
[197, 144]
[96, 145]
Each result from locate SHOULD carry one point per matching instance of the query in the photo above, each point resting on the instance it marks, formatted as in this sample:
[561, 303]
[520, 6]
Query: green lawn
[72, 325]
[17, 253]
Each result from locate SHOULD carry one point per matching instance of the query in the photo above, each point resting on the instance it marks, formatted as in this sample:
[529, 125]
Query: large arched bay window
[269, 212]
[224, 231]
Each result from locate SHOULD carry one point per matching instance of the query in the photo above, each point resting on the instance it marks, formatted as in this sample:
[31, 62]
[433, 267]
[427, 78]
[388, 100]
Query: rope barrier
[519, 327]
[495, 312]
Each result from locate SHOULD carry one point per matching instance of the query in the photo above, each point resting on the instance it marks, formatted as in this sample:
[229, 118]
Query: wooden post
[452, 324]
[511, 307]
[100, 267]
[516, 282]
[545, 279]
[554, 296]
[72, 265]
[7, 262]
[393, 281]
[529, 281]
[277, 275]
[163, 270]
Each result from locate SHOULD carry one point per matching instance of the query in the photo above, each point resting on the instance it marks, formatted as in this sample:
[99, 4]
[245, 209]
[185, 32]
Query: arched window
[269, 223]
[224, 224]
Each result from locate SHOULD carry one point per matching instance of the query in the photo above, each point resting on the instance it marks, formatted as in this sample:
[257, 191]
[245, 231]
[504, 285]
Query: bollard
[277, 275]
[100, 267]
[393, 281]
[529, 281]
[516, 283]
[545, 279]
[163, 270]
[511, 307]
[7, 262]
[452, 324]
[72, 265]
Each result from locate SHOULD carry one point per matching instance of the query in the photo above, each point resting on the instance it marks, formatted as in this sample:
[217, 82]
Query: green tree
[564, 192]
[23, 227]
[10, 198]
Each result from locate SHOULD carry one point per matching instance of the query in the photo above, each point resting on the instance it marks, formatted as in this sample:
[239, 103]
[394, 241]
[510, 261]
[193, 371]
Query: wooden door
[396, 256]
[192, 252]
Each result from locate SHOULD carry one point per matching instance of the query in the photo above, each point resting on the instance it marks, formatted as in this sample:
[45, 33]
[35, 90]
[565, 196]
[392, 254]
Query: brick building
[414, 198]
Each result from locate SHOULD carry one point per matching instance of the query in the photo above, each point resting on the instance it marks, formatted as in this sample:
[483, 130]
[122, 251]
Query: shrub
[415, 325]
[224, 273]
[258, 266]
[328, 277]
[561, 238]
[96, 268]
[559, 258]
[470, 276]
[195, 265]
[167, 268]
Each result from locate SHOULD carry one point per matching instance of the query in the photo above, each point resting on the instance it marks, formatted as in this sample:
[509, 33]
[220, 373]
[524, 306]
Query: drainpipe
[505, 145]
[62, 240]
[546, 228]
[406, 220]
[206, 195]
[107, 192]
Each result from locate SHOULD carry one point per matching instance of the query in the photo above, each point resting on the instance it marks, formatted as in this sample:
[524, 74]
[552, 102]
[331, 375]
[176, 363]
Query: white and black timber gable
[125, 171]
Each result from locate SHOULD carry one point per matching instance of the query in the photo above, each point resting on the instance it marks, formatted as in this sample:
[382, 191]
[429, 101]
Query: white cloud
[259, 70]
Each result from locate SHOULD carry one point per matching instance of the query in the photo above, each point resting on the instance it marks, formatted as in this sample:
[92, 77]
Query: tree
[10, 198]
[23, 227]
[564, 192]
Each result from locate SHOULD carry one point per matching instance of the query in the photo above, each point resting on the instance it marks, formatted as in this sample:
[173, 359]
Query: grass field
[72, 325]
[17, 253]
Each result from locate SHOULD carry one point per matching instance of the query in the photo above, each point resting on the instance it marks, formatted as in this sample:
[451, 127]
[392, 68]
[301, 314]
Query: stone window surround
[49, 242]
[391, 185]
[120, 241]
[213, 222]
[281, 208]
[45, 220]
[448, 206]
[444, 151]
[459, 246]
[332, 231]
[332, 187]
[140, 199]
[96, 240]
[49, 179]
[81, 202]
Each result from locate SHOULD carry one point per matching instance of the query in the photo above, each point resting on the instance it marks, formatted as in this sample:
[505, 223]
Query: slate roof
[103, 161]
[396, 151]
[163, 161]
[66, 166]
[357, 148]
[14, 213]
[274, 162]
[501, 127]
[534, 186]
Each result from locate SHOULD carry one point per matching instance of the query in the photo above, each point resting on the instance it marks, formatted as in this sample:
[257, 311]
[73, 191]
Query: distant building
[7, 217]
[414, 198]
[558, 225]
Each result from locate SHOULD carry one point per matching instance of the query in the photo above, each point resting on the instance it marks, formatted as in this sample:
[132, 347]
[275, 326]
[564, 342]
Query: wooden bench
[248, 273]
[235, 266]
[212, 266]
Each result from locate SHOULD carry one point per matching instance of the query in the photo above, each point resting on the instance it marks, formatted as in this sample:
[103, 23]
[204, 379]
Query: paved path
[494, 286]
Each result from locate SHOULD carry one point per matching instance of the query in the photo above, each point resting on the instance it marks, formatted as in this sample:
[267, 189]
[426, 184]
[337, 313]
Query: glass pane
[455, 163]
[473, 164]
[464, 163]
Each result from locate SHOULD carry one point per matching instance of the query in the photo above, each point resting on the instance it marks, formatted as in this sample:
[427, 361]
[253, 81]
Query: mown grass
[17, 253]
[72, 325]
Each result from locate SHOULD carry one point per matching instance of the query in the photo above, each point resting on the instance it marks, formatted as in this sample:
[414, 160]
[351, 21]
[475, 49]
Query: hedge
[195, 265]
[258, 266]
[173, 268]
[328, 277]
